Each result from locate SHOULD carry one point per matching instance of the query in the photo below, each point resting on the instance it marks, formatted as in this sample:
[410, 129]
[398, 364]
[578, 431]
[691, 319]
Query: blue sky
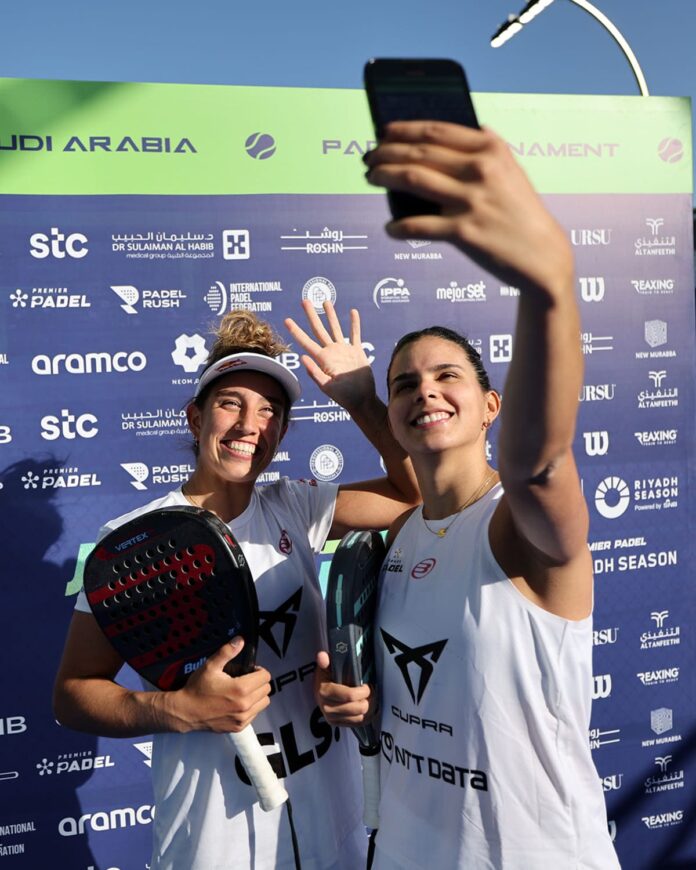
[315, 43]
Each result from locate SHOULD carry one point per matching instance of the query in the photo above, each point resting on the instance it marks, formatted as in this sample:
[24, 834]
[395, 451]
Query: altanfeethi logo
[260, 146]
[671, 150]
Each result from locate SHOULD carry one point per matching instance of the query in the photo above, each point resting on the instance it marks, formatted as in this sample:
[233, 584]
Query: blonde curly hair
[242, 331]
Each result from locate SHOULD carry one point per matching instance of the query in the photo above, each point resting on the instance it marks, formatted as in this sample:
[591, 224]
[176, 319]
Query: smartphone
[413, 90]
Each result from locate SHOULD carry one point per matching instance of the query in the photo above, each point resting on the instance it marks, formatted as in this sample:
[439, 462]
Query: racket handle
[369, 756]
[269, 789]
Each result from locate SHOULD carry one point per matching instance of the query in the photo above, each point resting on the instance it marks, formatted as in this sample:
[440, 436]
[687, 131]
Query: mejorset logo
[415, 662]
[279, 624]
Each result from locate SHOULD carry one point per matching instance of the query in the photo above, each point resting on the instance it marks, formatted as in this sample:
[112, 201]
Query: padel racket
[351, 597]
[168, 589]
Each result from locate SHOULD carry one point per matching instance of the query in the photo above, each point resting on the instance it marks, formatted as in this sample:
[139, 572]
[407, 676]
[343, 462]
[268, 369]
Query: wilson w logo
[592, 289]
[596, 443]
[601, 686]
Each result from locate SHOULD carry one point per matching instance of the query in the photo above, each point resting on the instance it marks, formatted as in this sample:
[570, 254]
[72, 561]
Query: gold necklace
[441, 532]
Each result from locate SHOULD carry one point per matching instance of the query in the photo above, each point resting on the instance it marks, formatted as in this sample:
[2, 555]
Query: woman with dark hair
[484, 629]
[207, 816]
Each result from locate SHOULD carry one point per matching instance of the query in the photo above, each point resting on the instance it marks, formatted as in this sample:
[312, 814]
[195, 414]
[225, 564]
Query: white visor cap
[251, 362]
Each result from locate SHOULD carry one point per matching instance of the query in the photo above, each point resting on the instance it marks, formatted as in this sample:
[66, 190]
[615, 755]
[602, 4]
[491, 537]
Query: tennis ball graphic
[671, 150]
[260, 146]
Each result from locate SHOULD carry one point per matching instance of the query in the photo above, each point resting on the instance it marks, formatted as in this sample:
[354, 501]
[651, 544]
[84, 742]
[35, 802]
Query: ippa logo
[59, 245]
[390, 290]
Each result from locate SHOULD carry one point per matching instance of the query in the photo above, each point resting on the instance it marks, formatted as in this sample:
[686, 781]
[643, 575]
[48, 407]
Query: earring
[485, 424]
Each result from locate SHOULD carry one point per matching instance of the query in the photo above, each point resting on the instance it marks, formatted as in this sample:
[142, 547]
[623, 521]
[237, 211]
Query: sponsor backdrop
[132, 216]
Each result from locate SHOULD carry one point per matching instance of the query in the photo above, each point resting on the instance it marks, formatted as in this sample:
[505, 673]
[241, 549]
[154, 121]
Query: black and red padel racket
[168, 589]
[351, 598]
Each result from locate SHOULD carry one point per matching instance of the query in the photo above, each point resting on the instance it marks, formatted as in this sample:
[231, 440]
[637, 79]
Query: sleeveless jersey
[486, 701]
[207, 817]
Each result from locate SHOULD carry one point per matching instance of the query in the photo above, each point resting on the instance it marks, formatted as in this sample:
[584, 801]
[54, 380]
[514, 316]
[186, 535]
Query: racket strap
[293, 836]
[371, 849]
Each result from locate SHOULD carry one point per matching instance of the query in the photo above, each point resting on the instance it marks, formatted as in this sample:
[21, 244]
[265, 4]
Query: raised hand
[338, 367]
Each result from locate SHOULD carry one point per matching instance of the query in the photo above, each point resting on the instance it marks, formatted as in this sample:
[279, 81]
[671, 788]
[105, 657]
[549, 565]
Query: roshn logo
[236, 245]
[612, 497]
[596, 443]
[417, 661]
[592, 289]
[594, 343]
[189, 352]
[284, 616]
[326, 462]
[319, 290]
[58, 245]
[390, 290]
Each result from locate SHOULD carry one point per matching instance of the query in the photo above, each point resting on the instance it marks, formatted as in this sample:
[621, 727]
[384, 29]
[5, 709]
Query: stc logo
[58, 245]
[285, 615]
[417, 660]
[68, 426]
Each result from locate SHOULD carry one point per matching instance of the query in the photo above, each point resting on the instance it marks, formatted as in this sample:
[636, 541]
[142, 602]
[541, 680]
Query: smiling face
[435, 399]
[238, 427]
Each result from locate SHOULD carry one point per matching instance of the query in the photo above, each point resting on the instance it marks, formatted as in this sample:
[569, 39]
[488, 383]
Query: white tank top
[485, 714]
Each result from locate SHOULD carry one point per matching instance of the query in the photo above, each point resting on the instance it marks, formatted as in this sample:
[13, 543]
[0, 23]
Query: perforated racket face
[168, 589]
[351, 598]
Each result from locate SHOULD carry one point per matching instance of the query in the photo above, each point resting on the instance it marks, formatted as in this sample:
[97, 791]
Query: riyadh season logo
[89, 363]
[236, 245]
[319, 290]
[467, 293]
[222, 297]
[73, 762]
[591, 343]
[592, 289]
[49, 299]
[390, 290]
[111, 820]
[658, 396]
[60, 477]
[158, 474]
[663, 635]
[59, 245]
[664, 780]
[612, 497]
[260, 146]
[326, 462]
[149, 299]
[598, 738]
[655, 243]
[500, 348]
[596, 443]
[189, 352]
[328, 241]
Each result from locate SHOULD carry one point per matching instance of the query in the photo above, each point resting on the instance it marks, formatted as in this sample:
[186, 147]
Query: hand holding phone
[416, 90]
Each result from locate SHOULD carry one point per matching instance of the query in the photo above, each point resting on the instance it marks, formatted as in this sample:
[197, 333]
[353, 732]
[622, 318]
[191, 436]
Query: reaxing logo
[285, 617]
[414, 661]
[58, 245]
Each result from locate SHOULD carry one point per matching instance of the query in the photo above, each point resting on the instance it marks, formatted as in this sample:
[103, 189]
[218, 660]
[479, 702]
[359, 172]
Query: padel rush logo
[279, 624]
[413, 662]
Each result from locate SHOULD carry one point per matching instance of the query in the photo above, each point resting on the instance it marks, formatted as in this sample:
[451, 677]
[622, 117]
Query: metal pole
[635, 66]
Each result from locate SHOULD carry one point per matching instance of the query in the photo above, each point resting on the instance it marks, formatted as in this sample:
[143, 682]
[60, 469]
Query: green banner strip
[59, 137]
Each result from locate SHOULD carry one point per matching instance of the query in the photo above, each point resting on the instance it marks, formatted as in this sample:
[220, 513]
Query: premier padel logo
[279, 624]
[415, 662]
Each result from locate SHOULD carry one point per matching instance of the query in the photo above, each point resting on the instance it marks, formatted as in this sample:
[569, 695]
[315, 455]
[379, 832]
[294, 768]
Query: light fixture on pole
[515, 23]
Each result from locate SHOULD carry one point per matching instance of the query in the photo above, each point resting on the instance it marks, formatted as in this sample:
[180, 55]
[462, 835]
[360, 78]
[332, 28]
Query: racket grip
[269, 789]
[369, 757]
